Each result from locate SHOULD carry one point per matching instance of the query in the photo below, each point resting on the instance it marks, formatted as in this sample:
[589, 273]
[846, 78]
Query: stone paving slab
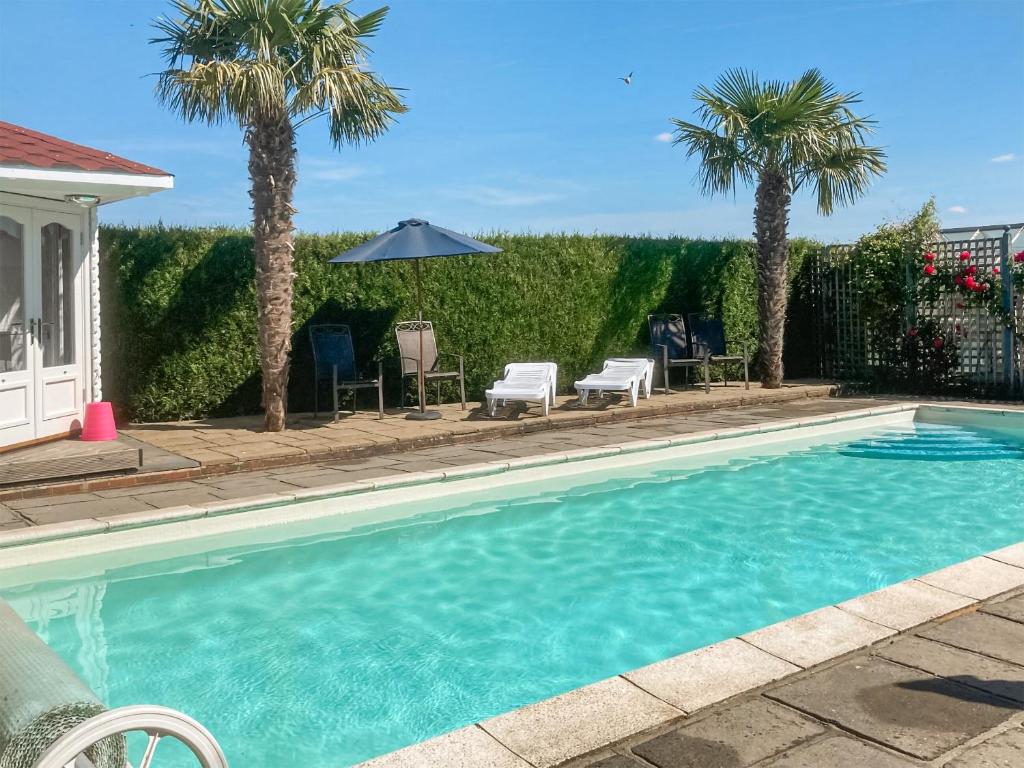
[554, 730]
[982, 633]
[468, 747]
[616, 761]
[970, 669]
[817, 636]
[697, 679]
[1004, 750]
[742, 735]
[905, 709]
[44, 501]
[839, 752]
[83, 510]
[980, 578]
[1012, 555]
[8, 516]
[1012, 609]
[905, 605]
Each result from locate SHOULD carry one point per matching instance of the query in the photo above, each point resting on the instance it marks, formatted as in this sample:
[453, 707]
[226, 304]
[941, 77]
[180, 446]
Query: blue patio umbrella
[415, 240]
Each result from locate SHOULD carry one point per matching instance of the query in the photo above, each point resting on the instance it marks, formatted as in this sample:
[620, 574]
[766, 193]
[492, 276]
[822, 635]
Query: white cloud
[326, 172]
[487, 195]
[664, 137]
[956, 209]
[1008, 157]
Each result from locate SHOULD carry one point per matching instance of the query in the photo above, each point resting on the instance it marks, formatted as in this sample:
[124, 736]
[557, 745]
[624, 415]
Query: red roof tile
[23, 147]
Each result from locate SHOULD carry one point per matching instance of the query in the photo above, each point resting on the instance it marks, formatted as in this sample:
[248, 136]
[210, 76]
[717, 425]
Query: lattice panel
[979, 335]
[841, 335]
[842, 338]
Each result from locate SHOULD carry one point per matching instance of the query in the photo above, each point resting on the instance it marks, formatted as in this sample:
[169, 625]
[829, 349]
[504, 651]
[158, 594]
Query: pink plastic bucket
[99, 422]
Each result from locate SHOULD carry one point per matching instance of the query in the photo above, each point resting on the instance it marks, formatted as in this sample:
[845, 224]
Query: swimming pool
[316, 645]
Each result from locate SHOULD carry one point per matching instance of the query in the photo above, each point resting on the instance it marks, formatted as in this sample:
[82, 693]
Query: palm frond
[804, 130]
[243, 59]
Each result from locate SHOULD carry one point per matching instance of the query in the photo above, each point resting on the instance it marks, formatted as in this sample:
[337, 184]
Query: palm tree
[270, 66]
[779, 136]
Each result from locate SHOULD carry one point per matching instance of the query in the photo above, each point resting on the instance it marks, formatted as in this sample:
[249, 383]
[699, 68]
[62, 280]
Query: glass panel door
[57, 268]
[17, 341]
[13, 331]
[58, 287]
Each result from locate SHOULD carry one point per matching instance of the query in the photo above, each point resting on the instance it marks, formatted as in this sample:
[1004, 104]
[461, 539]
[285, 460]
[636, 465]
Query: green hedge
[179, 309]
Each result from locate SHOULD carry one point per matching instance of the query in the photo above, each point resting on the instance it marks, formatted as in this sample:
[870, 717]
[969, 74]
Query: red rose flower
[1018, 257]
[965, 255]
[929, 269]
[996, 270]
[912, 332]
[958, 280]
[929, 256]
[961, 306]
[938, 343]
[969, 282]
[972, 270]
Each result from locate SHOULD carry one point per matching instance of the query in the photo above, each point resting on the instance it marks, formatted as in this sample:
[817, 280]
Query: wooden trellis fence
[990, 353]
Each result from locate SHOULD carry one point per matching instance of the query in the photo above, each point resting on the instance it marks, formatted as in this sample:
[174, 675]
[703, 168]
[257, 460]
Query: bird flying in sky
[627, 79]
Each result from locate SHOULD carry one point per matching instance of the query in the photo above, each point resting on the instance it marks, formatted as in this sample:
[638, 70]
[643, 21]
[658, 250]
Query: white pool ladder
[156, 722]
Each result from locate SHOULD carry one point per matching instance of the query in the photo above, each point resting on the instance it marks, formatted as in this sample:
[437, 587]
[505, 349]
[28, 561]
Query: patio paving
[228, 442]
[77, 502]
[918, 699]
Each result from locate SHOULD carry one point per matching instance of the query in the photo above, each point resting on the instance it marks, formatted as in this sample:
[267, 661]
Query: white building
[50, 190]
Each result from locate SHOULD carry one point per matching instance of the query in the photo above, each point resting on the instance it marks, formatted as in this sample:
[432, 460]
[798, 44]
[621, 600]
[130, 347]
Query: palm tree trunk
[271, 143]
[771, 218]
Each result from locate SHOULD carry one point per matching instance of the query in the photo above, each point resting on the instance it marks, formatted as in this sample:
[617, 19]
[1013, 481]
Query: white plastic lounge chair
[524, 383]
[631, 375]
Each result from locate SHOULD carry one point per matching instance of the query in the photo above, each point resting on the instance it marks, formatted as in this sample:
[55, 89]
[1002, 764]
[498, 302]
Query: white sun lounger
[631, 375]
[524, 383]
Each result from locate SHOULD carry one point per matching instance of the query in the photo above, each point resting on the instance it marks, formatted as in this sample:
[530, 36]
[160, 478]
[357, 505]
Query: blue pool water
[330, 650]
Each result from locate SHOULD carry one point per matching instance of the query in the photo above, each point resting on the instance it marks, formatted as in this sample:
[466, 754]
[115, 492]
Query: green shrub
[179, 312]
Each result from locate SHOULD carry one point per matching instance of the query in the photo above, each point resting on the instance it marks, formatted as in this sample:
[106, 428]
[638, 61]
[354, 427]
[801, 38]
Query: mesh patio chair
[408, 336]
[334, 360]
[707, 338]
[671, 346]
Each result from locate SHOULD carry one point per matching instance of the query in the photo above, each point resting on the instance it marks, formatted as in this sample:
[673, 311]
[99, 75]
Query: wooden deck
[67, 458]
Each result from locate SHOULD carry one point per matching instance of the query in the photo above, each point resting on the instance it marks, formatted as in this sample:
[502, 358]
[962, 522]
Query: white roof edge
[99, 178]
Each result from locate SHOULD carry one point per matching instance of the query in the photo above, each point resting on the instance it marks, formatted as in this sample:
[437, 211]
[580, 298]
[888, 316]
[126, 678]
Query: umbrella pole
[422, 414]
[420, 377]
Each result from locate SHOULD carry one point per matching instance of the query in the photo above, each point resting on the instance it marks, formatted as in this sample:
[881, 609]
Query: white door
[41, 311]
[58, 289]
[17, 352]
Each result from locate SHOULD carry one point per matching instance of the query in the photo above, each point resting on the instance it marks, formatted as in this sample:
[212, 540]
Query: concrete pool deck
[17, 511]
[189, 450]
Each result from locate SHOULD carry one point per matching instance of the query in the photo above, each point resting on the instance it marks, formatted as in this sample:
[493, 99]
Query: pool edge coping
[74, 529]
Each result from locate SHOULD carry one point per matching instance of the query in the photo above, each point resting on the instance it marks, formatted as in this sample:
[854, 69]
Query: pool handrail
[157, 722]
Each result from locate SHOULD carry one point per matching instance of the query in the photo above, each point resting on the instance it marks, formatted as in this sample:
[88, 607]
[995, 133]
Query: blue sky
[517, 121]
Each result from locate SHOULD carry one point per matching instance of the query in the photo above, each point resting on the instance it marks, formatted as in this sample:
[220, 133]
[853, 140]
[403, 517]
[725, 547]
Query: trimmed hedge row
[179, 311]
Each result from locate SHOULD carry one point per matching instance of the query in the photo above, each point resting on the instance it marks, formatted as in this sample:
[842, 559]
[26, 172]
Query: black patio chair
[408, 337]
[670, 346]
[334, 360]
[707, 339]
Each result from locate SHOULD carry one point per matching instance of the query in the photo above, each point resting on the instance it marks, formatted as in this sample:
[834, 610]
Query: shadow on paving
[972, 689]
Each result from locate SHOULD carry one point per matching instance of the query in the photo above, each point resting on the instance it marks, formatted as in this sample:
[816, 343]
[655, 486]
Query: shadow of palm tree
[974, 689]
